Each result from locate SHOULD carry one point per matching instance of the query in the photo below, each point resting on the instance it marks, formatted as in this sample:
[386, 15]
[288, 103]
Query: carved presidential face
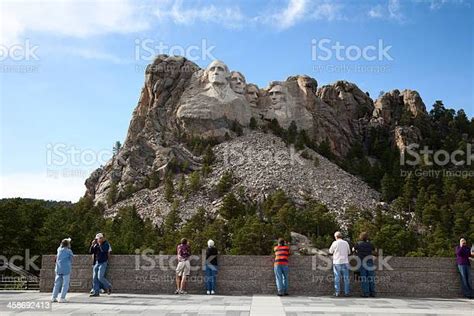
[276, 95]
[237, 82]
[252, 95]
[217, 72]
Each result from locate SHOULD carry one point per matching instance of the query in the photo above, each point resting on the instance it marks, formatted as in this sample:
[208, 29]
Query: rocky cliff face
[179, 100]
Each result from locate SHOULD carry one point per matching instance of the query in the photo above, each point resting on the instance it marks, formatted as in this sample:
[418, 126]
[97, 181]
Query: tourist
[280, 267]
[100, 248]
[364, 251]
[464, 266]
[102, 288]
[183, 269]
[63, 271]
[340, 250]
[211, 267]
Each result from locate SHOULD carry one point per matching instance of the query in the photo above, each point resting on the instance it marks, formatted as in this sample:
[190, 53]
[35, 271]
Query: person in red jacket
[280, 267]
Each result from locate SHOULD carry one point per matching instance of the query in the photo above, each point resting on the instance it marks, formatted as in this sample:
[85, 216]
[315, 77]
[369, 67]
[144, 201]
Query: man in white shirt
[340, 250]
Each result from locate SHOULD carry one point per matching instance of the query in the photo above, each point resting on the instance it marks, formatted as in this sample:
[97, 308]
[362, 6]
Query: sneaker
[372, 295]
[62, 300]
[91, 291]
[102, 291]
[347, 295]
[213, 292]
[279, 294]
[208, 292]
[336, 294]
[286, 294]
[183, 292]
[94, 294]
[176, 292]
[109, 291]
[54, 300]
[364, 295]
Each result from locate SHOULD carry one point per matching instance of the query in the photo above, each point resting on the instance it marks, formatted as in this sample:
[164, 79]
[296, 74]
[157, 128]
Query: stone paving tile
[197, 305]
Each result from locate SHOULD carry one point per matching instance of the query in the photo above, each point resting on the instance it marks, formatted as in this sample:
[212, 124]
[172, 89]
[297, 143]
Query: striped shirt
[281, 255]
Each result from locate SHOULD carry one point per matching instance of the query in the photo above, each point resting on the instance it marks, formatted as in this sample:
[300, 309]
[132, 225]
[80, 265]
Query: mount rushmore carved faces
[237, 82]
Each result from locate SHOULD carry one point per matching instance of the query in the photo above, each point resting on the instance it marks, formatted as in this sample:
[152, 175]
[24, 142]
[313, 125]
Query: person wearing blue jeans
[340, 251]
[341, 270]
[63, 271]
[100, 249]
[281, 276]
[280, 266]
[364, 251]
[211, 267]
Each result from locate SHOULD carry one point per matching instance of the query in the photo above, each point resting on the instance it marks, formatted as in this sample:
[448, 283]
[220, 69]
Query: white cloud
[295, 11]
[376, 12]
[301, 10]
[42, 186]
[327, 11]
[394, 9]
[230, 17]
[69, 18]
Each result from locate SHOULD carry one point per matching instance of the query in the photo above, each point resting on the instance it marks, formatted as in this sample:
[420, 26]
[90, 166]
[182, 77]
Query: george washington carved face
[217, 72]
[237, 82]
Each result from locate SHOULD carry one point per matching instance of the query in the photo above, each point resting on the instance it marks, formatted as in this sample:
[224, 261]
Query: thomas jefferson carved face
[252, 94]
[237, 82]
[217, 72]
[276, 95]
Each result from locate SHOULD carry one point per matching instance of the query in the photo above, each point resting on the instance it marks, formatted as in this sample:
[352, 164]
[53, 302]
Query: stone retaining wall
[247, 275]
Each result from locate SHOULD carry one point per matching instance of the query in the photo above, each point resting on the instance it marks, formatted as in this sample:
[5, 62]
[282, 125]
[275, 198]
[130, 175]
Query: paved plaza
[193, 305]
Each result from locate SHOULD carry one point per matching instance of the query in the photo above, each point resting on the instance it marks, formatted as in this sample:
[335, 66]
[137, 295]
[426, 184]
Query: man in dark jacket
[364, 250]
[100, 248]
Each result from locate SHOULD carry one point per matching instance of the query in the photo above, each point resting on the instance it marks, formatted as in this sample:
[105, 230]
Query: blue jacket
[101, 252]
[64, 261]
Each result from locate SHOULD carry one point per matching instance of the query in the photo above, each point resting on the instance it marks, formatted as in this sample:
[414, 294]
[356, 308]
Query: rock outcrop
[180, 100]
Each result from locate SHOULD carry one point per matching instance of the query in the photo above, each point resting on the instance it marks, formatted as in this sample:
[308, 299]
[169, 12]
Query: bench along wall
[247, 275]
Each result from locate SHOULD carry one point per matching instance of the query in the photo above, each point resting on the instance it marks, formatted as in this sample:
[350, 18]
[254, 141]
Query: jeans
[211, 277]
[367, 277]
[341, 269]
[281, 277]
[61, 282]
[465, 273]
[99, 277]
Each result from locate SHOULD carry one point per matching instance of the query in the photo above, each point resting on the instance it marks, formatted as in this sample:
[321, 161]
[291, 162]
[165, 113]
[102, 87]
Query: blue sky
[60, 118]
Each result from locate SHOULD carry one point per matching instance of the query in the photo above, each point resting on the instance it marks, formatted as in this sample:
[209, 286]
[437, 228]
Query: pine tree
[169, 188]
[194, 181]
[225, 183]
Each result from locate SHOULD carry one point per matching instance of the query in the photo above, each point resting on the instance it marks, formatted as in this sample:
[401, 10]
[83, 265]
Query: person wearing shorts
[183, 269]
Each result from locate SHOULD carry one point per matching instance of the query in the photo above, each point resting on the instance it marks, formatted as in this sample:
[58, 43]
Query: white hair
[337, 235]
[210, 243]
